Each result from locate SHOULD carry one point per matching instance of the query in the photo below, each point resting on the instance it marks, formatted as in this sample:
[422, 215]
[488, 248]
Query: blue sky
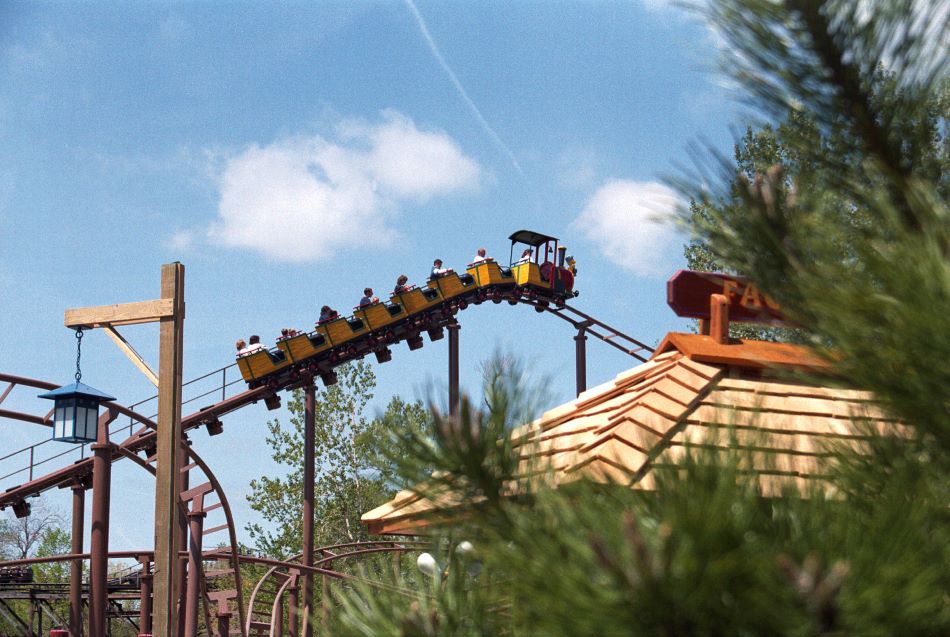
[291, 154]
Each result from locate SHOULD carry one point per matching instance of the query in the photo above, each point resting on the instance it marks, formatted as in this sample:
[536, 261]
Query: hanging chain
[78, 353]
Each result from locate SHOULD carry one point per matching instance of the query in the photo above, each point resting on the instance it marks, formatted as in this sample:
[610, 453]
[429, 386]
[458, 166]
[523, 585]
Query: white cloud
[630, 222]
[411, 163]
[305, 198]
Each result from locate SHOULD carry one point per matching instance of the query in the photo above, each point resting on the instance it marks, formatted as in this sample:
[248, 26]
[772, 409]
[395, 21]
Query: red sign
[688, 292]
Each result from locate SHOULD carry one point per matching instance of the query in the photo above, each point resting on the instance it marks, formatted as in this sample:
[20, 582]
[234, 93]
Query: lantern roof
[77, 389]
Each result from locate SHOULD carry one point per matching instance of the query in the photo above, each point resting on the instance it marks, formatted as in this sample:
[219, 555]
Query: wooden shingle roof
[693, 391]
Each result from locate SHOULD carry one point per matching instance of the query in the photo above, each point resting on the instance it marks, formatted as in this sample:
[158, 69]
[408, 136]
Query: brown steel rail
[584, 323]
[142, 439]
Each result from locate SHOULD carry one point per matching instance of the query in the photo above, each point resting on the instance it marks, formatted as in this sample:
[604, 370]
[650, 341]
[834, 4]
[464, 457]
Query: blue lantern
[76, 407]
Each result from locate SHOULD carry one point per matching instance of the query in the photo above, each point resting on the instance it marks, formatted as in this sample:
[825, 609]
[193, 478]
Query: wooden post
[169, 436]
[704, 326]
[719, 317]
[169, 311]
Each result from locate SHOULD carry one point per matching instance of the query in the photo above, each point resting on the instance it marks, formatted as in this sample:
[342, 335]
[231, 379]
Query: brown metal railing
[79, 451]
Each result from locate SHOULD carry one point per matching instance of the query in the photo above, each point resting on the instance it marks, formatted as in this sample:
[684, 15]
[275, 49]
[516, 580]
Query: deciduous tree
[351, 474]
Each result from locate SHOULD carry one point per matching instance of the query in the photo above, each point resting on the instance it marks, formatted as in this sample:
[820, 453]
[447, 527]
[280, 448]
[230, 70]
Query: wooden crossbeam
[121, 314]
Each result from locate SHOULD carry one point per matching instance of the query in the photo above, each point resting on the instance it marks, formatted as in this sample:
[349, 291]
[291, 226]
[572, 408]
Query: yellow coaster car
[541, 264]
[539, 276]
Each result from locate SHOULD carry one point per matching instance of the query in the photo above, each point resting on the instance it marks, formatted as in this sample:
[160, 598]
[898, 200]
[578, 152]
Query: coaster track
[258, 615]
[143, 440]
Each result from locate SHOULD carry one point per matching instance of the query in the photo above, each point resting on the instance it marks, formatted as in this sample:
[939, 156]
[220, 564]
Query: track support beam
[309, 432]
[195, 523]
[145, 595]
[453, 328]
[580, 360]
[293, 607]
[75, 567]
[99, 535]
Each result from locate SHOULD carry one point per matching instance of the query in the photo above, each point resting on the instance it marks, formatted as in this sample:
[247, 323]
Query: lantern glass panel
[69, 419]
[88, 412]
[58, 420]
[80, 431]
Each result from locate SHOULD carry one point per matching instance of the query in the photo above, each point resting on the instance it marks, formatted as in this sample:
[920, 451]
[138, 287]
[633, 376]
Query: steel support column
[75, 567]
[308, 470]
[453, 328]
[278, 622]
[145, 595]
[193, 589]
[224, 624]
[99, 536]
[325, 599]
[580, 360]
[183, 524]
[293, 610]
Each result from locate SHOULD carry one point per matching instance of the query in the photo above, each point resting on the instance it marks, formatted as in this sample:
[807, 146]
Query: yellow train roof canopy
[530, 237]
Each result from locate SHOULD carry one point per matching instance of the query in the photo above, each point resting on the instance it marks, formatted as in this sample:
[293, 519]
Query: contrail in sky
[461, 90]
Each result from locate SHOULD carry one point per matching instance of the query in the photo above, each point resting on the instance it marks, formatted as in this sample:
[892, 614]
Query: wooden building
[697, 389]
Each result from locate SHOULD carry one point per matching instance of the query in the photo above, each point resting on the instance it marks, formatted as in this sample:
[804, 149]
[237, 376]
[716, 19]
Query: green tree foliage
[54, 540]
[351, 474]
[850, 232]
[856, 249]
[797, 144]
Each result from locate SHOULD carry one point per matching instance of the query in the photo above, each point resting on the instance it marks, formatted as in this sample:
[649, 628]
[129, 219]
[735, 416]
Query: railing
[220, 386]
[584, 323]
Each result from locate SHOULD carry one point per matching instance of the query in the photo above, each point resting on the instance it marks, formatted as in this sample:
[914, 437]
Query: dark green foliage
[705, 554]
[841, 212]
[856, 249]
